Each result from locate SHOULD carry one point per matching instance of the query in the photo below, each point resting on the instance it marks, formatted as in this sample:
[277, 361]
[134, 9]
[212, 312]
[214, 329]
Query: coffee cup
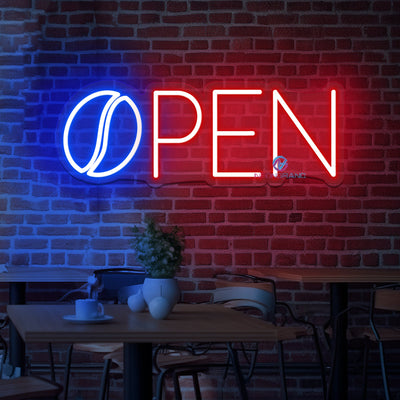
[88, 309]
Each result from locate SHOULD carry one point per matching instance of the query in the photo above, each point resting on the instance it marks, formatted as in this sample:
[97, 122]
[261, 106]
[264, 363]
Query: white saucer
[97, 320]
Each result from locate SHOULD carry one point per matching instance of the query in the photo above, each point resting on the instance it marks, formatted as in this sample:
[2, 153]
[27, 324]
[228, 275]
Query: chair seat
[352, 333]
[362, 332]
[164, 361]
[172, 360]
[27, 387]
[386, 334]
[292, 332]
[98, 347]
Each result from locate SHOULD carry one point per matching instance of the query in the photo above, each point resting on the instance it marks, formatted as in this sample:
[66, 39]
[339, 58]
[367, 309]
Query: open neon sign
[91, 167]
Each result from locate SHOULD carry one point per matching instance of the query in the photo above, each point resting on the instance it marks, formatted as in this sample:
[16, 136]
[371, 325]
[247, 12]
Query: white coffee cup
[88, 309]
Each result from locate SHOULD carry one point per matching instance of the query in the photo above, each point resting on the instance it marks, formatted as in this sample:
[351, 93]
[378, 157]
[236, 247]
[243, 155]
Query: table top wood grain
[330, 275]
[187, 322]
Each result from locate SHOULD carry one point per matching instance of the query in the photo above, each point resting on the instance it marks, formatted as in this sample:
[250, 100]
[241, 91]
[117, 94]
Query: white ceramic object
[86, 309]
[136, 302]
[99, 320]
[159, 307]
[167, 288]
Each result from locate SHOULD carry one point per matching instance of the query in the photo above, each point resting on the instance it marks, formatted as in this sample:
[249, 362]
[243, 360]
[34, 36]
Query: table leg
[17, 292]
[137, 371]
[339, 302]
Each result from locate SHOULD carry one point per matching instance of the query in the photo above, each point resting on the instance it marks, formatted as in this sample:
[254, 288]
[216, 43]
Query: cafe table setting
[138, 331]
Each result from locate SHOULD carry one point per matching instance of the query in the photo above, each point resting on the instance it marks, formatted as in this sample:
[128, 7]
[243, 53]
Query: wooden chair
[28, 387]
[383, 298]
[260, 294]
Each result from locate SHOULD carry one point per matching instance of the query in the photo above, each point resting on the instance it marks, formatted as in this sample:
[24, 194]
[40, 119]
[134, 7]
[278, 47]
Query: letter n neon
[277, 98]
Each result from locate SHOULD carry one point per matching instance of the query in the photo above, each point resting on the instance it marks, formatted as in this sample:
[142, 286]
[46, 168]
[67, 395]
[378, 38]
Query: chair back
[127, 291]
[249, 295]
[113, 279]
[387, 299]
[219, 283]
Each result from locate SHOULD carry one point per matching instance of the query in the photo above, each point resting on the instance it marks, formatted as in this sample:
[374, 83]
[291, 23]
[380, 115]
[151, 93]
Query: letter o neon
[103, 131]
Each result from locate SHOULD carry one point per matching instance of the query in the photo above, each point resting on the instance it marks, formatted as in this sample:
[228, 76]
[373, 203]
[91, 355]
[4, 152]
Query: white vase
[158, 287]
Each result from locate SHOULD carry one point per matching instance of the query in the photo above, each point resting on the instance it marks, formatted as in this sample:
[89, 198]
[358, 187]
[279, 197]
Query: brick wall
[50, 50]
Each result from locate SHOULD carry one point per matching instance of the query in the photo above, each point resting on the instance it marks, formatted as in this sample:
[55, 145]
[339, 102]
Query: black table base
[17, 345]
[138, 371]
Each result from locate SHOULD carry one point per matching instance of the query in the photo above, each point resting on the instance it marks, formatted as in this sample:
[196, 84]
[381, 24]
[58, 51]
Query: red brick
[243, 259]
[284, 230]
[165, 31]
[390, 260]
[185, 19]
[308, 259]
[213, 244]
[349, 231]
[224, 259]
[246, 217]
[311, 230]
[316, 204]
[336, 244]
[287, 244]
[274, 204]
[203, 258]
[328, 260]
[263, 258]
[177, 6]
[153, 5]
[153, 204]
[265, 6]
[256, 244]
[315, 244]
[204, 31]
[285, 260]
[192, 204]
[384, 230]
[382, 204]
[198, 230]
[350, 260]
[371, 260]
[233, 204]
[203, 57]
[277, 217]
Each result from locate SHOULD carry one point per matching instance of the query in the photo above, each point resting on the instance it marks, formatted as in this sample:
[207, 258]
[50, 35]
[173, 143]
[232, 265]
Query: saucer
[97, 320]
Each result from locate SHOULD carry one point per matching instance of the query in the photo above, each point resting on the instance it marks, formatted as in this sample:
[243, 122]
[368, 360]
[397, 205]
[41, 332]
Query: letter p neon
[156, 124]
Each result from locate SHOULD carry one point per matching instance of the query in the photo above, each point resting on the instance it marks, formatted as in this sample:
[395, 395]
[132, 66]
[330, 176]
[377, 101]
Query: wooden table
[338, 278]
[17, 278]
[187, 323]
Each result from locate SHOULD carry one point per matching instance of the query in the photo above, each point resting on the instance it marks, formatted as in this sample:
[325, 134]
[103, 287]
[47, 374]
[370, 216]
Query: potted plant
[160, 253]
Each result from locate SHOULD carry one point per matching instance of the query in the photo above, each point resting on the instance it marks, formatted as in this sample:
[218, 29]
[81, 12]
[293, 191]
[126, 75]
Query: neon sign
[95, 166]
